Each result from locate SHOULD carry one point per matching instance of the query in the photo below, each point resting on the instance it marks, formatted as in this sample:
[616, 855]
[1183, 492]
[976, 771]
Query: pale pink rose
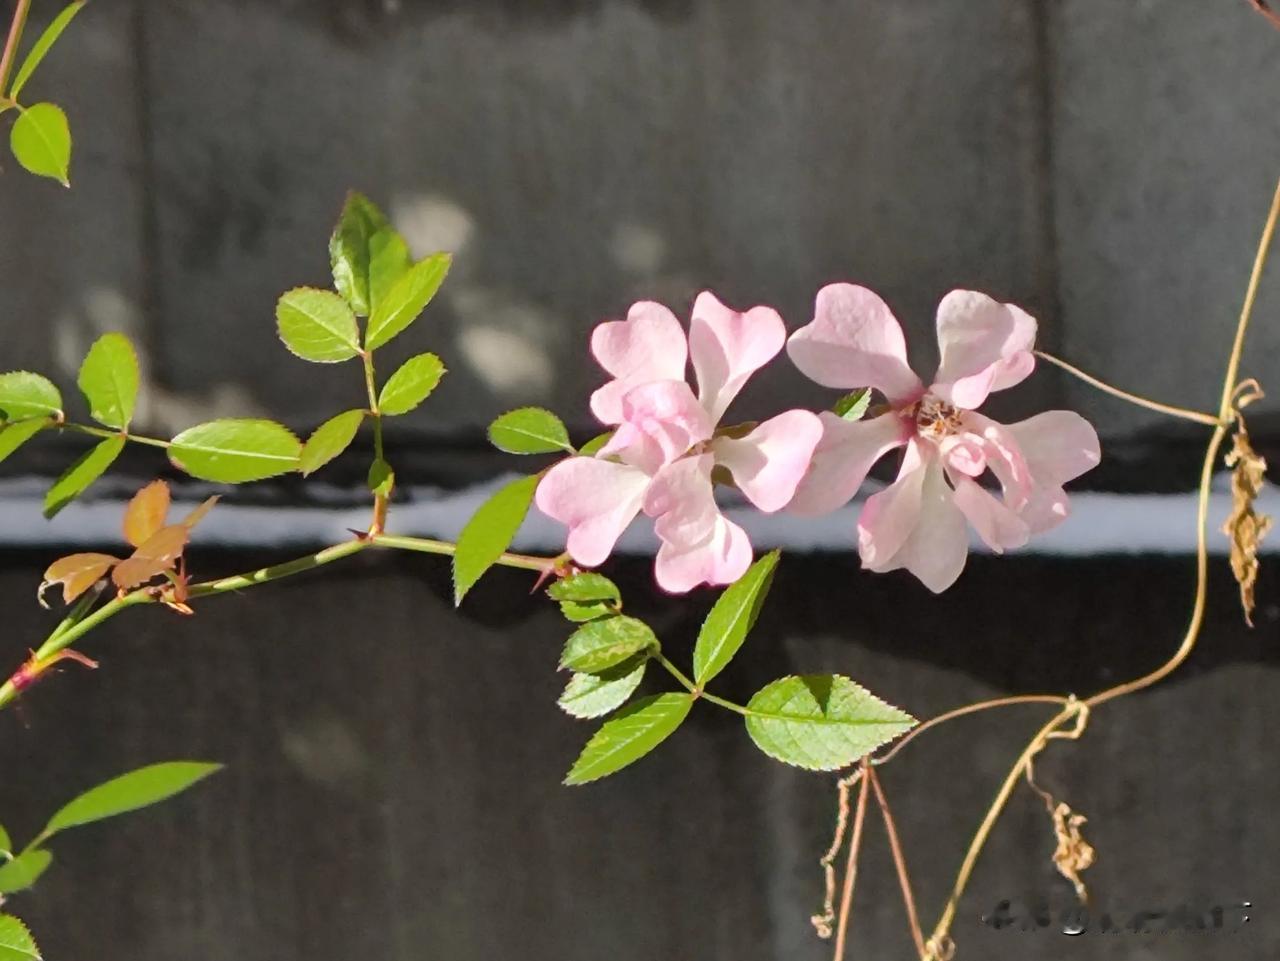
[918, 522]
[665, 446]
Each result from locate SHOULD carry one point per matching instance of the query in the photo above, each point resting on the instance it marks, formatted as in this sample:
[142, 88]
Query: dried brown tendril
[1073, 854]
[1245, 527]
[823, 923]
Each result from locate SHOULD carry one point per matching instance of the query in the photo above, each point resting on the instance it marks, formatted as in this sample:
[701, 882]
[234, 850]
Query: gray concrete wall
[1106, 165]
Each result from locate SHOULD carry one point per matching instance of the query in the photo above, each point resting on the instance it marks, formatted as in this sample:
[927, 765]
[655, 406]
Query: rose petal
[889, 517]
[661, 421]
[1004, 457]
[770, 461]
[995, 523]
[964, 453]
[597, 499]
[649, 345]
[985, 345]
[699, 544]
[848, 450]
[937, 546]
[1058, 445]
[727, 347]
[855, 341]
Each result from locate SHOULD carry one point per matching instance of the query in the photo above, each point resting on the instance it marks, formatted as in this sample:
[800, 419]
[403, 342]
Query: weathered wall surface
[1105, 165]
[392, 793]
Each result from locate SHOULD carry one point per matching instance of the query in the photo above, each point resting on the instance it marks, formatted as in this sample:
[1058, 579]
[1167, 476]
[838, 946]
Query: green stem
[693, 688]
[426, 545]
[10, 54]
[100, 432]
[675, 672]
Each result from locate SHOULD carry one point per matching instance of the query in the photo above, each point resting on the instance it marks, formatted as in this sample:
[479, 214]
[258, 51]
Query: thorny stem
[899, 862]
[851, 866]
[1074, 709]
[1172, 411]
[72, 628]
[10, 54]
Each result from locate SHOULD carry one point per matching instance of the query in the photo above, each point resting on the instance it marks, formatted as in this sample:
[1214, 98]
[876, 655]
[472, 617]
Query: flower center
[935, 418]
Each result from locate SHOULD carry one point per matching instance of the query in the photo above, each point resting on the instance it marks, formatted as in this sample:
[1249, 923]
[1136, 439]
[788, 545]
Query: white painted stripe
[1100, 523]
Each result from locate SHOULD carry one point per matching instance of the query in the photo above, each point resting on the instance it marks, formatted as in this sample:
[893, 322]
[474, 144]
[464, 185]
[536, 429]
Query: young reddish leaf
[77, 573]
[146, 513]
[197, 515]
[157, 556]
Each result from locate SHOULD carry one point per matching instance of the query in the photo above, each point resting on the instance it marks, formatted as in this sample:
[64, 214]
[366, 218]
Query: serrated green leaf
[329, 440]
[367, 255]
[490, 532]
[411, 384]
[6, 842]
[821, 722]
[579, 613]
[529, 430]
[24, 871]
[16, 943]
[79, 476]
[109, 380]
[585, 587]
[236, 450]
[406, 300]
[130, 792]
[41, 47]
[317, 325]
[15, 435]
[599, 645]
[24, 394]
[41, 141]
[732, 618]
[592, 447]
[595, 695]
[629, 735]
[853, 406]
[381, 478]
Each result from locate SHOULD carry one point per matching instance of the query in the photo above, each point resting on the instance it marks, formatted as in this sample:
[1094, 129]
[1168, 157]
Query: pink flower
[918, 522]
[661, 457]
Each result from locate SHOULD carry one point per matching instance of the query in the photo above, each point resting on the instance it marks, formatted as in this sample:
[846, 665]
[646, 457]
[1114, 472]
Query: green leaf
[732, 618]
[411, 384]
[595, 695]
[529, 430]
[79, 476]
[41, 47]
[130, 792]
[406, 300]
[367, 255]
[24, 871]
[490, 532]
[578, 612]
[41, 141]
[329, 440]
[16, 943]
[236, 450]
[599, 645]
[853, 406]
[6, 842]
[585, 588]
[317, 325]
[15, 435]
[24, 394]
[592, 447]
[381, 479]
[821, 721]
[628, 736]
[109, 380]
